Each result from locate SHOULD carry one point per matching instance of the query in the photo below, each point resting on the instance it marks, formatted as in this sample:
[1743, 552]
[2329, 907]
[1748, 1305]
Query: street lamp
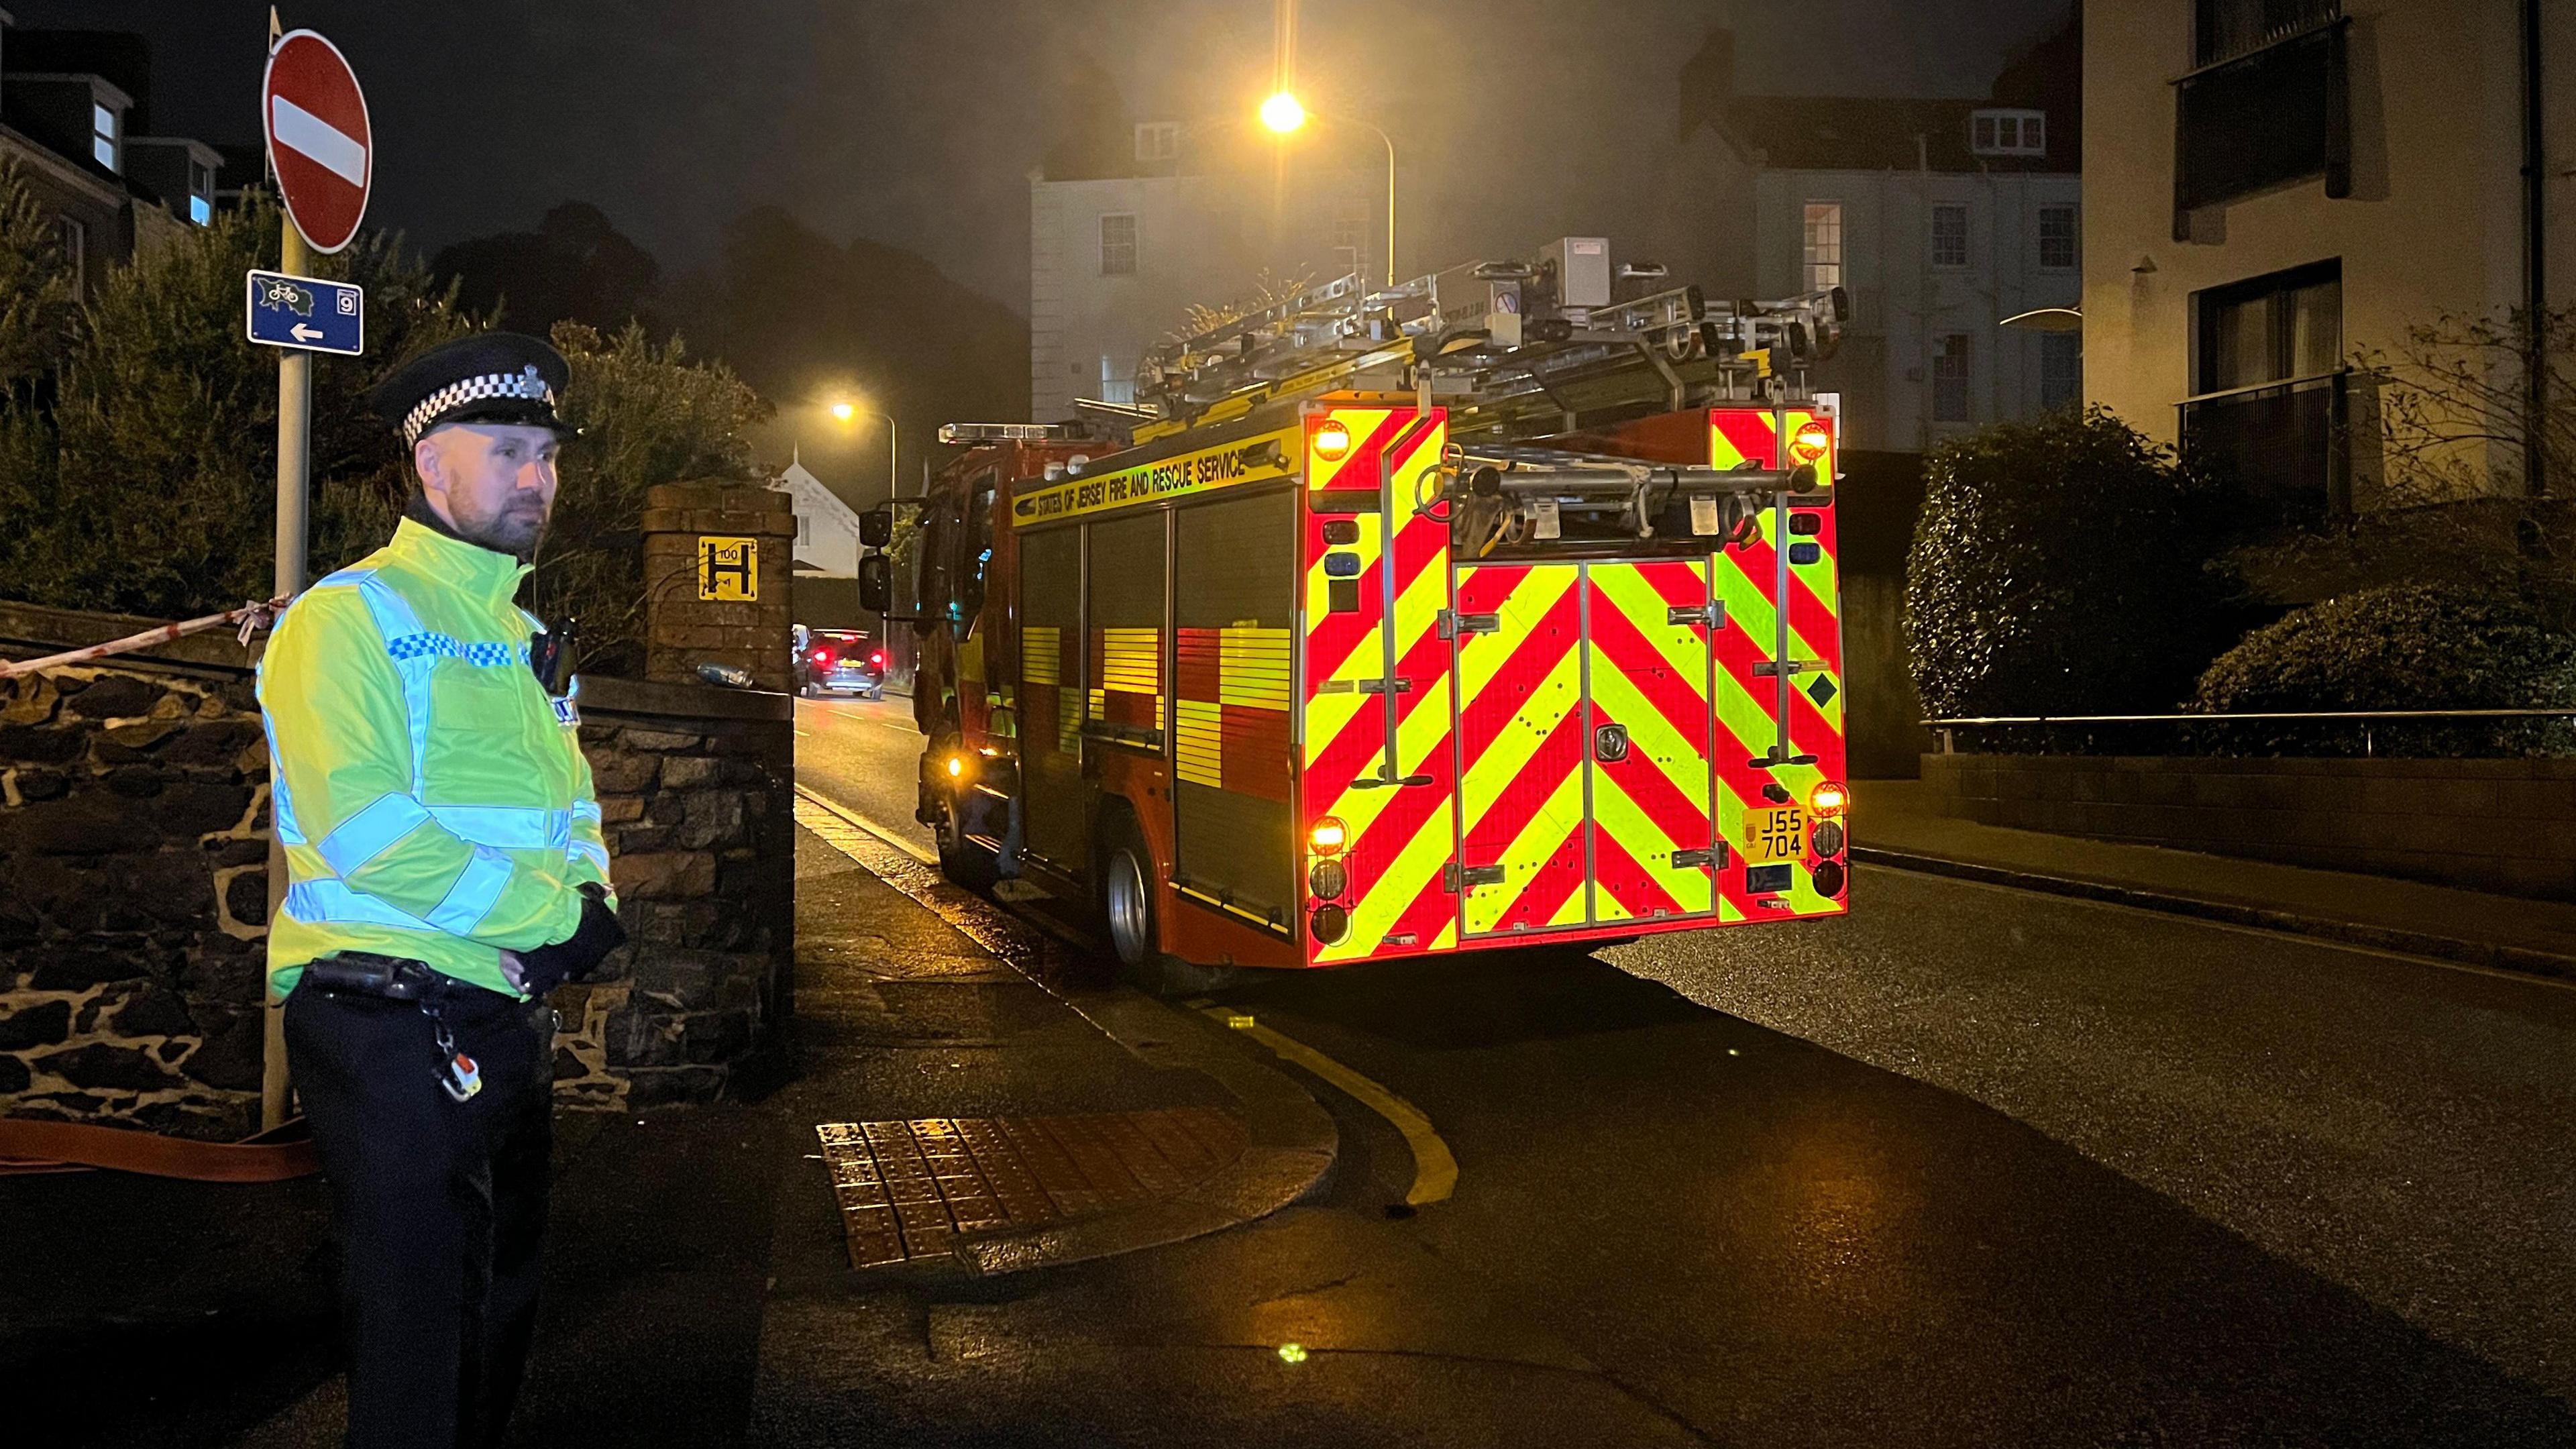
[1285, 115]
[844, 411]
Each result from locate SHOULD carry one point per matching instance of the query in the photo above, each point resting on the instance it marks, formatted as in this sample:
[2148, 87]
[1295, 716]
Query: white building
[827, 530]
[1116, 262]
[1941, 218]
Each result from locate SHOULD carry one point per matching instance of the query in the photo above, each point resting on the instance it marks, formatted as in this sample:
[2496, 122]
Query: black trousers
[439, 1205]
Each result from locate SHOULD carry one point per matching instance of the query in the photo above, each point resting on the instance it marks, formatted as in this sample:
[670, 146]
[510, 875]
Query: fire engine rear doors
[1584, 739]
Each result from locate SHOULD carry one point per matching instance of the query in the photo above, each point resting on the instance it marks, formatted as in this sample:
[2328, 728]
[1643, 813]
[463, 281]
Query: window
[2057, 238]
[2265, 329]
[2061, 368]
[1824, 245]
[2269, 104]
[1115, 386]
[201, 193]
[102, 137]
[1950, 378]
[979, 552]
[1158, 141]
[75, 244]
[1949, 236]
[804, 529]
[2008, 133]
[1118, 245]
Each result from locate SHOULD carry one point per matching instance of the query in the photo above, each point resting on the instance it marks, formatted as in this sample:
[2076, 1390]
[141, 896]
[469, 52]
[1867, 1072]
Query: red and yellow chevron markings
[1649, 679]
[1745, 580]
[1584, 721]
[1521, 734]
[1398, 836]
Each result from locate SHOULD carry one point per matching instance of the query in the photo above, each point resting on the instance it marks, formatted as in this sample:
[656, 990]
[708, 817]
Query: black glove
[573, 959]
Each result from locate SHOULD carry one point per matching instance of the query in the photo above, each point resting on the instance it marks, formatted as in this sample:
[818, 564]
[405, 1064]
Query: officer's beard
[515, 530]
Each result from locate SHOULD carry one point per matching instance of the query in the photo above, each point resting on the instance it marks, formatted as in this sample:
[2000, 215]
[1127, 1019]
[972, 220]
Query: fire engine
[1493, 608]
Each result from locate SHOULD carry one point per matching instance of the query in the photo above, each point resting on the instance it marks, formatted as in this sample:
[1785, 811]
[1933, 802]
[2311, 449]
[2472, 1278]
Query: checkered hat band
[523, 384]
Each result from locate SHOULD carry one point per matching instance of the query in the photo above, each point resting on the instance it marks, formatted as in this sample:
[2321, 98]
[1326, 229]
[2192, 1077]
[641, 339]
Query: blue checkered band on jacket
[444, 646]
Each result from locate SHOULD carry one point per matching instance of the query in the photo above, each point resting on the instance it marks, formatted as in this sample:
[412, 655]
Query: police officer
[446, 870]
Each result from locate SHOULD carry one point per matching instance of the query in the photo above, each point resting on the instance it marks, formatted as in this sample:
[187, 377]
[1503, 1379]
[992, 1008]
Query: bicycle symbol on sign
[285, 296]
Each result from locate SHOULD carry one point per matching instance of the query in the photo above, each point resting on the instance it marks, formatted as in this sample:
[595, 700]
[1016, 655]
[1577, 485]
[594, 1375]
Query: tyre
[1125, 897]
[962, 860]
[1126, 892]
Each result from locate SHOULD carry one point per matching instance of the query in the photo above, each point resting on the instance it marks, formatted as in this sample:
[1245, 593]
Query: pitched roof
[813, 497]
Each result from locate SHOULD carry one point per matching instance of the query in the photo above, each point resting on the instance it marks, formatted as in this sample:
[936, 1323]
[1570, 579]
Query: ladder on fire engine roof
[1494, 343]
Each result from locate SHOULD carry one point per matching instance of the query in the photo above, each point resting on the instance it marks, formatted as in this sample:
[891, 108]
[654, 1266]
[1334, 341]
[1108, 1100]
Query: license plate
[1775, 834]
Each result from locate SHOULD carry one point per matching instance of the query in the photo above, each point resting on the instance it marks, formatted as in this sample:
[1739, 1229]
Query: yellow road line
[1435, 1171]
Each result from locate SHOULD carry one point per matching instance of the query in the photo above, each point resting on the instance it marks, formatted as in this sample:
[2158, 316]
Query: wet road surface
[1970, 1167]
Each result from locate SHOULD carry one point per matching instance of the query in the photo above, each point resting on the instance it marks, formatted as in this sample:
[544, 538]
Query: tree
[800, 317]
[575, 267]
[648, 416]
[39, 307]
[2456, 427]
[147, 483]
[2060, 567]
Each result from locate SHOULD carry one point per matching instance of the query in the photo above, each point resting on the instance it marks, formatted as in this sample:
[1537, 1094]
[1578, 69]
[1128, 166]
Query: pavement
[1894, 824]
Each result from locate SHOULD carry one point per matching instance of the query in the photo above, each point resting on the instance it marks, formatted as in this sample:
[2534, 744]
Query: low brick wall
[134, 886]
[2494, 825]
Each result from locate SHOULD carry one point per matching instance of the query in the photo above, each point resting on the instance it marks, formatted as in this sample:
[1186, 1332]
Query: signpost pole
[294, 477]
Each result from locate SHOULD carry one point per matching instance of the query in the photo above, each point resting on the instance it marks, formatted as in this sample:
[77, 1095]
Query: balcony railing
[2284, 446]
[2273, 110]
[2230, 29]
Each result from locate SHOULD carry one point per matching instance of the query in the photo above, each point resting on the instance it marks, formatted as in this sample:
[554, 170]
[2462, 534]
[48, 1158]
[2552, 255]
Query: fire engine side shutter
[1051, 687]
[1234, 607]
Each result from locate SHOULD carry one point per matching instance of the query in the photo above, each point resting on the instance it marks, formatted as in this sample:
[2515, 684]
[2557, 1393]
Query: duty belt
[394, 978]
[363, 973]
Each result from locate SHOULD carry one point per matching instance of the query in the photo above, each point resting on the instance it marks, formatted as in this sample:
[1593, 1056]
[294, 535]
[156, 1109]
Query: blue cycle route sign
[306, 313]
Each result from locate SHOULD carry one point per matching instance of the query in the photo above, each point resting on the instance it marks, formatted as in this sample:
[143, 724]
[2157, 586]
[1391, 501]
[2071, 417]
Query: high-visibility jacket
[432, 796]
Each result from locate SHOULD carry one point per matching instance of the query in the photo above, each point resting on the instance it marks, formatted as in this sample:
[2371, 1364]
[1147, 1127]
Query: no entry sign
[318, 139]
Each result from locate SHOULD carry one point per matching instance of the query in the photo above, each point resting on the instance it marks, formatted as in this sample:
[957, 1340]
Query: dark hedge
[2060, 566]
[2397, 647]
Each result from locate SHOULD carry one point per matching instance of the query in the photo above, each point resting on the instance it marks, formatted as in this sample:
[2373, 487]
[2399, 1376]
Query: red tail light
[822, 656]
[876, 659]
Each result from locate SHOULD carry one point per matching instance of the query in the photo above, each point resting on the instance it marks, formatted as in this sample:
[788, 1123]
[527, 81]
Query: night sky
[916, 122]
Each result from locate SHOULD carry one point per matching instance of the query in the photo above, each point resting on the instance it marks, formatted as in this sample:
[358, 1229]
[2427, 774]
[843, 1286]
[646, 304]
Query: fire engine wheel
[962, 860]
[1127, 911]
[1127, 902]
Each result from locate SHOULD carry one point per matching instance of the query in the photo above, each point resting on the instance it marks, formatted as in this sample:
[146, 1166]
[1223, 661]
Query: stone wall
[133, 886]
[2493, 825]
[697, 786]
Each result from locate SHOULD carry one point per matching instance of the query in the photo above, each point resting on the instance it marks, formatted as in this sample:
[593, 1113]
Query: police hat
[490, 377]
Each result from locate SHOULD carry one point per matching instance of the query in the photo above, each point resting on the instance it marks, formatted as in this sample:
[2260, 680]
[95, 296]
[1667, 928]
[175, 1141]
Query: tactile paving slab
[910, 1190]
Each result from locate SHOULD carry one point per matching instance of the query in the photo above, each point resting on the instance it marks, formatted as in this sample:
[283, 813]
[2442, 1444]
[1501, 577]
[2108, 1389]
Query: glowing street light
[1283, 113]
[845, 410]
